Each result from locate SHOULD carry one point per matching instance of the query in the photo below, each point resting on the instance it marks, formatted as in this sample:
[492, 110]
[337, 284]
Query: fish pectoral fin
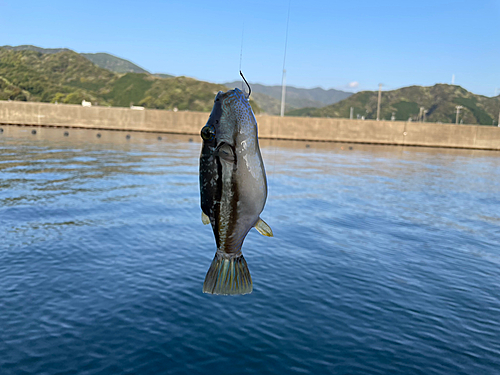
[204, 218]
[263, 228]
[226, 152]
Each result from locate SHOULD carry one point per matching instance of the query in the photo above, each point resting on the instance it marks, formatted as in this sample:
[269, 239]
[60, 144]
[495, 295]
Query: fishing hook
[249, 88]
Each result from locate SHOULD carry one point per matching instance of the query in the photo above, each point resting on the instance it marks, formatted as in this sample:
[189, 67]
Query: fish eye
[208, 133]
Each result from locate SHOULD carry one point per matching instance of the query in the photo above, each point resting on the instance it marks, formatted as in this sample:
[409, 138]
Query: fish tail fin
[228, 276]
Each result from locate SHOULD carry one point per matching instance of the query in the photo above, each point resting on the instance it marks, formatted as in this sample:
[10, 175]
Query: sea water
[385, 260]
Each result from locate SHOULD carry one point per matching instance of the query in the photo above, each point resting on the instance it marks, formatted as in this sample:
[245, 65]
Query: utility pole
[350, 116]
[378, 103]
[458, 107]
[453, 79]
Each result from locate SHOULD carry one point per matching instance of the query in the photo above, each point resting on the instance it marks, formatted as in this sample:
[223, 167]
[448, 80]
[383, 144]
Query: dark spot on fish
[190, 140]
[98, 135]
[307, 146]
[66, 134]
[350, 148]
[1, 130]
[128, 136]
[33, 132]
[159, 138]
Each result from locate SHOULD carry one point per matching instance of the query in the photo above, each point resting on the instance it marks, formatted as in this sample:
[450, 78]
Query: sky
[351, 45]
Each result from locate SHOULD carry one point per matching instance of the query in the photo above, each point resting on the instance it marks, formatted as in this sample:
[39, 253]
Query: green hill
[103, 60]
[184, 93]
[439, 101]
[69, 77]
[47, 77]
[162, 75]
[113, 63]
[28, 47]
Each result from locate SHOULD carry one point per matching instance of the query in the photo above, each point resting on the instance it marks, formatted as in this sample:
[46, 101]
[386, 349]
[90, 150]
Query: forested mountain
[103, 60]
[439, 102]
[113, 63]
[269, 97]
[69, 77]
[30, 73]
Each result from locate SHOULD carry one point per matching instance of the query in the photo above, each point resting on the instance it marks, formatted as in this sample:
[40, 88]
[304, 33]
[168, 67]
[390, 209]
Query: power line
[283, 79]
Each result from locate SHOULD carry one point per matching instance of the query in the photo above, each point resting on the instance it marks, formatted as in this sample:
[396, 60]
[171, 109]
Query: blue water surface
[385, 260]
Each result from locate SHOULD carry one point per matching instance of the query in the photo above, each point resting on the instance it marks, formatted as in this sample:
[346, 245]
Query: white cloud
[353, 84]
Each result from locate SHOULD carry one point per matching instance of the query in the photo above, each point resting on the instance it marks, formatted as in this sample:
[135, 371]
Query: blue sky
[351, 45]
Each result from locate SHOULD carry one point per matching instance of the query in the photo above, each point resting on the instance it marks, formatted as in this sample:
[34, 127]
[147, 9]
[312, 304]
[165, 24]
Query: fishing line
[286, 34]
[274, 141]
[241, 51]
[283, 92]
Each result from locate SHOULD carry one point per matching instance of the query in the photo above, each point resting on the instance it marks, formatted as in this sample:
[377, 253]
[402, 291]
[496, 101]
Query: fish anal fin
[263, 228]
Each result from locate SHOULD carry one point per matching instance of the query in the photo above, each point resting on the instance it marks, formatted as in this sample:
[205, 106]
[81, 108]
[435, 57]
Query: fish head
[231, 121]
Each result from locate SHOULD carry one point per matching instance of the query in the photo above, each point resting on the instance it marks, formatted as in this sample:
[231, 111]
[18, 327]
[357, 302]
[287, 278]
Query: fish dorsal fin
[263, 228]
[204, 218]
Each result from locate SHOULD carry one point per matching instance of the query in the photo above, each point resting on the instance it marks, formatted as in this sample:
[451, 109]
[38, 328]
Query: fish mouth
[218, 96]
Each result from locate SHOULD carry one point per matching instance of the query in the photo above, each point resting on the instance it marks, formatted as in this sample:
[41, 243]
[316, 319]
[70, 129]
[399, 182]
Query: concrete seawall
[270, 127]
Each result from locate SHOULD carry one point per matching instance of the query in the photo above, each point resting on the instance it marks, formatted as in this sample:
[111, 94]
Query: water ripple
[384, 260]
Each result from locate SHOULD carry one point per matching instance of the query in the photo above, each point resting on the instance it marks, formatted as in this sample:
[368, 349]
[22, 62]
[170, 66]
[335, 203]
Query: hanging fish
[233, 189]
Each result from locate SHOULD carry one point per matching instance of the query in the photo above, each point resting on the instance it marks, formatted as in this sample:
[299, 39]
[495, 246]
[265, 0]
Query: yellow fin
[204, 218]
[263, 228]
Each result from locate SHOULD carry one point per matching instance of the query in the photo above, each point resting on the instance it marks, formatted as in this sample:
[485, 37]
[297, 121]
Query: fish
[233, 189]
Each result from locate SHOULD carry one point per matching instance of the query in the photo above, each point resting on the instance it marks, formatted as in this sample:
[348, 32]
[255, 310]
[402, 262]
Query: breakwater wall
[270, 127]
